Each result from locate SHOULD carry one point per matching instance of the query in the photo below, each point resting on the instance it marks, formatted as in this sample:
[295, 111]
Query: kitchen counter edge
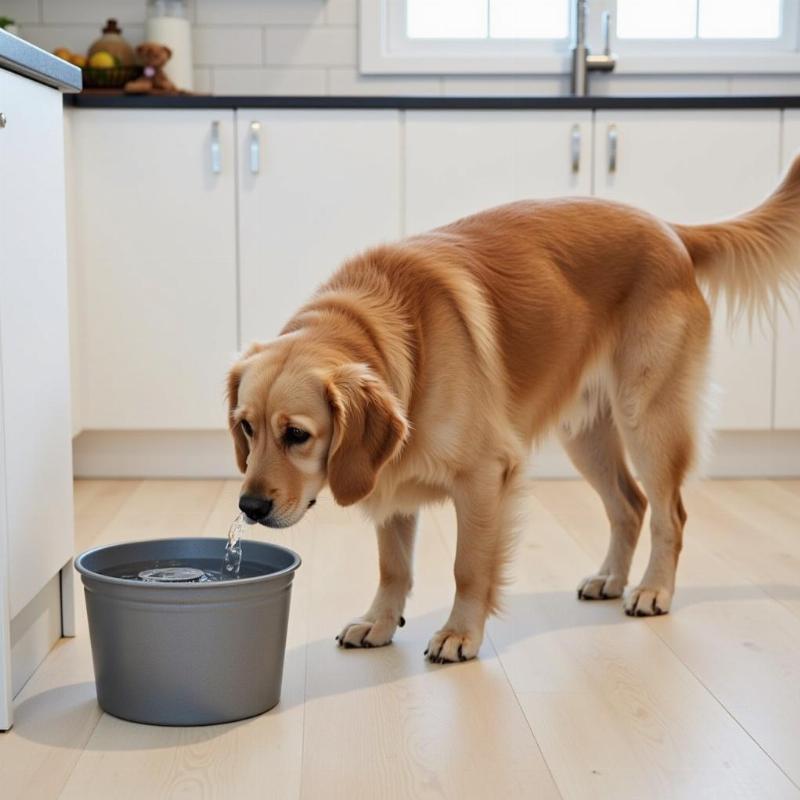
[24, 58]
[445, 103]
[17, 55]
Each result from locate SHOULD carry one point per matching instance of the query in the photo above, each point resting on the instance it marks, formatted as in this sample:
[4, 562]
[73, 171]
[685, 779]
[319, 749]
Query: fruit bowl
[109, 77]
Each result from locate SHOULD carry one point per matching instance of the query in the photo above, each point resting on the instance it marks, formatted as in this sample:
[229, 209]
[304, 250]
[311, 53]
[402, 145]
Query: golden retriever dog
[425, 370]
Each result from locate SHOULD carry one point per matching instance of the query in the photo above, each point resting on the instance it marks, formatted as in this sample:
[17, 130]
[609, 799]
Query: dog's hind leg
[596, 451]
[657, 403]
[395, 553]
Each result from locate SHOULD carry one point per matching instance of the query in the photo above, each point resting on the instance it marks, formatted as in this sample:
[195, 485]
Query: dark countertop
[22, 57]
[311, 101]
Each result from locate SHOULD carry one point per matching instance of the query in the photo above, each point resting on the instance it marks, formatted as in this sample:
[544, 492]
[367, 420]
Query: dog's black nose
[257, 508]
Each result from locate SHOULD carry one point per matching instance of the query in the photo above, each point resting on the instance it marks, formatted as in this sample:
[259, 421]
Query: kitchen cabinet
[689, 167]
[36, 529]
[787, 346]
[177, 265]
[154, 251]
[315, 186]
[460, 162]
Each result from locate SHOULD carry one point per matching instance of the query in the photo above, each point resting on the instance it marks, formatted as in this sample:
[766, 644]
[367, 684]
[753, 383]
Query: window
[533, 36]
[482, 19]
[699, 19]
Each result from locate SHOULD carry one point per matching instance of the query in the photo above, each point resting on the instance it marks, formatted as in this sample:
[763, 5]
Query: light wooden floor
[568, 699]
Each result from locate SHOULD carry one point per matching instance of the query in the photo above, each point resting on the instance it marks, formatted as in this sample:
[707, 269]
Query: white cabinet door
[36, 478]
[325, 186]
[460, 162]
[701, 166]
[787, 350]
[155, 242]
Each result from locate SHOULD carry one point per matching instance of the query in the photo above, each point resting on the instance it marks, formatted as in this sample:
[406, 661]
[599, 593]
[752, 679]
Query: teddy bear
[153, 80]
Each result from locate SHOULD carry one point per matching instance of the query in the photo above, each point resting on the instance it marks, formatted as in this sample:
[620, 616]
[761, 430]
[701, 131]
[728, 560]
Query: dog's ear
[240, 442]
[234, 377]
[369, 428]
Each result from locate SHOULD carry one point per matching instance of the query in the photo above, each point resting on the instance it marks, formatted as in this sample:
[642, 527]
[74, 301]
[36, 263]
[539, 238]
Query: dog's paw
[448, 646]
[367, 632]
[647, 601]
[601, 587]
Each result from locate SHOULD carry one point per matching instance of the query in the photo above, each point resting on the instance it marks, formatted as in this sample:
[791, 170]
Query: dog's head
[300, 417]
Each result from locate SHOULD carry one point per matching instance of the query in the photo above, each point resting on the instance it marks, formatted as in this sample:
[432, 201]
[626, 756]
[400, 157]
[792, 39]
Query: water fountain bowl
[187, 653]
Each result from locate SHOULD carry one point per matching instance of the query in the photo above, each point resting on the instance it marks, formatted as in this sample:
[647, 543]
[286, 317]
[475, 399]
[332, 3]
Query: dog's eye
[296, 435]
[246, 427]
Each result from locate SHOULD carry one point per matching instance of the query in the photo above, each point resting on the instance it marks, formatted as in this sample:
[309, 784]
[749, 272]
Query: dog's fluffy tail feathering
[753, 258]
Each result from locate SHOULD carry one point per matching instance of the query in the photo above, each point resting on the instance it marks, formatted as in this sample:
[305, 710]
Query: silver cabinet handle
[3, 120]
[613, 140]
[216, 153]
[255, 147]
[575, 148]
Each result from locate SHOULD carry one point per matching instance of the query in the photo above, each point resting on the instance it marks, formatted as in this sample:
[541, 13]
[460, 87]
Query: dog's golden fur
[424, 370]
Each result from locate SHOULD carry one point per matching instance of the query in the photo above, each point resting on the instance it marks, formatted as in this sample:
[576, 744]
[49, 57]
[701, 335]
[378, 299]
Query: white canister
[168, 24]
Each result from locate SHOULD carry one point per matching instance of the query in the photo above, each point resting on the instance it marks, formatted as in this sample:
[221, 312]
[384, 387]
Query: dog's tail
[753, 258]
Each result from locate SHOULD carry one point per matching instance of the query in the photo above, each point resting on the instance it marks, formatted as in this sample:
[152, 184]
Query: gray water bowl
[171, 653]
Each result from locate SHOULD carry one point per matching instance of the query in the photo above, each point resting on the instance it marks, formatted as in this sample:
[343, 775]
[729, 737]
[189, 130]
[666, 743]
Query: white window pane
[656, 19]
[447, 19]
[740, 19]
[529, 19]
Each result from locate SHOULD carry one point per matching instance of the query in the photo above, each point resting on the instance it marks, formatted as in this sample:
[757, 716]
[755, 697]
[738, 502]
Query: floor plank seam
[309, 605]
[443, 540]
[525, 717]
[98, 534]
[757, 584]
[726, 709]
[691, 672]
[74, 766]
[97, 537]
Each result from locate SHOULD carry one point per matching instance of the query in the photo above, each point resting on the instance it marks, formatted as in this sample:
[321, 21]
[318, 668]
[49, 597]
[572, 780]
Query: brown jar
[112, 42]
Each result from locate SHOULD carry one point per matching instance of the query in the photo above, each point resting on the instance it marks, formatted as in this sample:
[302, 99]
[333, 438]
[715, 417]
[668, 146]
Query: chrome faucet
[583, 62]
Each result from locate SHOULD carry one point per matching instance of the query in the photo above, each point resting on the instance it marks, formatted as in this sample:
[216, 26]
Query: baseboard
[209, 454]
[34, 631]
[733, 454]
[154, 454]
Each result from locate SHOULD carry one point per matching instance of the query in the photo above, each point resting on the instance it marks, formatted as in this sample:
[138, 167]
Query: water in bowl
[181, 570]
[194, 570]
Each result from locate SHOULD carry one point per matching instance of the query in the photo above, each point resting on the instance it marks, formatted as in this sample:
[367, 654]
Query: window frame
[383, 49]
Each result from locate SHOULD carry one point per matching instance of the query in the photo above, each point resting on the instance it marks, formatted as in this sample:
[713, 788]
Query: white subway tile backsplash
[611, 84]
[203, 80]
[349, 81]
[260, 12]
[20, 11]
[238, 81]
[504, 86]
[341, 12]
[761, 84]
[94, 12]
[215, 46]
[318, 46]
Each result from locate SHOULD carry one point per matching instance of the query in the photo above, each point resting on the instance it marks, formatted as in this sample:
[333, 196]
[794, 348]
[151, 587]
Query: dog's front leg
[395, 553]
[484, 511]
